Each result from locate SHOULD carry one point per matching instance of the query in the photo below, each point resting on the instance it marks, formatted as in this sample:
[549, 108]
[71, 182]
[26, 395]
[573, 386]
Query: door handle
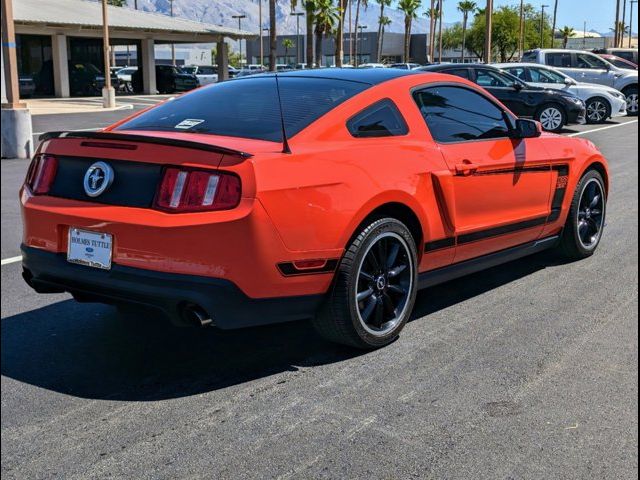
[466, 168]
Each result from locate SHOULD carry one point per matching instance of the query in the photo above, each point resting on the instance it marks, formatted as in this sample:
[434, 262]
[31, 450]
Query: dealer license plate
[90, 248]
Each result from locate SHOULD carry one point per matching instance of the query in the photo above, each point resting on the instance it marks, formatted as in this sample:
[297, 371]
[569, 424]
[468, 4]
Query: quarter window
[455, 114]
[590, 61]
[382, 119]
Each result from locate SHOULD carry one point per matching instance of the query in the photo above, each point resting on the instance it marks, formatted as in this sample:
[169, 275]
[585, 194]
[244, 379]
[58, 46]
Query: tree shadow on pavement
[90, 351]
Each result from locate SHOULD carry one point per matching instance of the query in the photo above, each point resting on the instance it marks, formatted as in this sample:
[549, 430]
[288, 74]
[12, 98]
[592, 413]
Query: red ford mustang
[330, 194]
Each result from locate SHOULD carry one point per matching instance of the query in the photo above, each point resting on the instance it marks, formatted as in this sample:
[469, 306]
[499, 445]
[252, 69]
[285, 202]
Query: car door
[501, 87]
[595, 69]
[497, 189]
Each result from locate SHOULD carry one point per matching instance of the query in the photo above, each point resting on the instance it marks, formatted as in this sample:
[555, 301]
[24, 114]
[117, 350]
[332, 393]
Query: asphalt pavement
[524, 371]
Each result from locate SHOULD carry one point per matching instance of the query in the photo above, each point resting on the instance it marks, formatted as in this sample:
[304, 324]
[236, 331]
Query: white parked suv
[206, 73]
[588, 67]
[602, 102]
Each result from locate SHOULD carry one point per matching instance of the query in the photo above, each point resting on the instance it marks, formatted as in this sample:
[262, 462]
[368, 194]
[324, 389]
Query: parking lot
[524, 371]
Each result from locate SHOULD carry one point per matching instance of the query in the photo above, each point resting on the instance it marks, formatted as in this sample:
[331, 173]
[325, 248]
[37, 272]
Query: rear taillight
[41, 174]
[197, 190]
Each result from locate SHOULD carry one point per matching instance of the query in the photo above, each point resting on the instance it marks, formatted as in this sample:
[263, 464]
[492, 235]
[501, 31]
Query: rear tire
[598, 110]
[632, 100]
[374, 289]
[583, 229]
[552, 117]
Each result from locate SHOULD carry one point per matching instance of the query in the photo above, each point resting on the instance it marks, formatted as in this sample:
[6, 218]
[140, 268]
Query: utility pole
[297, 15]
[584, 36]
[432, 30]
[108, 93]
[17, 139]
[553, 27]
[488, 27]
[631, 20]
[624, 20]
[439, 31]
[521, 40]
[542, 26]
[239, 17]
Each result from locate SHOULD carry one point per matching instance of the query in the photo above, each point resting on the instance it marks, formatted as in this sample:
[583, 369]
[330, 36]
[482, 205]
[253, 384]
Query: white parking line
[602, 128]
[7, 261]
[77, 130]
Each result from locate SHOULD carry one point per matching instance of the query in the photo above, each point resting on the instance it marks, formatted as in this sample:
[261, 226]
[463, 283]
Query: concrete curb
[98, 109]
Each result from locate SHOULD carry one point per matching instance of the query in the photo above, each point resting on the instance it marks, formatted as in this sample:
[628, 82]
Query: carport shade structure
[61, 19]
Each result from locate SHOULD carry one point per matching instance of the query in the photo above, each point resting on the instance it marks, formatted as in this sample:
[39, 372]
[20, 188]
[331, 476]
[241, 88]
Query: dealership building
[59, 42]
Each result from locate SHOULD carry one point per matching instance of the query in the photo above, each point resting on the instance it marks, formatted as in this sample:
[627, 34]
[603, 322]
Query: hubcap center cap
[381, 283]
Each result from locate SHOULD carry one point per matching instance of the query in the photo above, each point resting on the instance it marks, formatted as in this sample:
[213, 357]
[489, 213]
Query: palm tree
[287, 43]
[410, 8]
[385, 22]
[365, 4]
[326, 17]
[566, 33]
[342, 10]
[381, 18]
[466, 7]
[431, 13]
[272, 35]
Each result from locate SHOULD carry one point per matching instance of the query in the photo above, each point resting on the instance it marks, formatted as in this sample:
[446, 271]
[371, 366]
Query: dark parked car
[170, 79]
[552, 108]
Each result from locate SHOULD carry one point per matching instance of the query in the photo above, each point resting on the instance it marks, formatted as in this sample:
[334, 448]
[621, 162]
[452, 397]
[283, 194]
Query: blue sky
[599, 14]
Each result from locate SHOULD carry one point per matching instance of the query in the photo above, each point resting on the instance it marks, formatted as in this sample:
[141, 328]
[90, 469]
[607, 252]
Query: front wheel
[583, 229]
[552, 117]
[632, 100]
[374, 289]
[598, 110]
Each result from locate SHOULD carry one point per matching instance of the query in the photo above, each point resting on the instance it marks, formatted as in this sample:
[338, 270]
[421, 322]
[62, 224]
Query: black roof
[371, 76]
[442, 67]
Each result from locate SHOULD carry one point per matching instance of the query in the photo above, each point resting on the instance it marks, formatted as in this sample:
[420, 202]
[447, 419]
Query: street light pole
[173, 46]
[261, 62]
[542, 26]
[297, 15]
[361, 28]
[239, 17]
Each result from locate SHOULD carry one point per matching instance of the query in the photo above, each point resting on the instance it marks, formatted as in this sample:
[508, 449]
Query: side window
[519, 72]
[584, 60]
[562, 60]
[487, 78]
[539, 75]
[456, 114]
[382, 119]
[459, 72]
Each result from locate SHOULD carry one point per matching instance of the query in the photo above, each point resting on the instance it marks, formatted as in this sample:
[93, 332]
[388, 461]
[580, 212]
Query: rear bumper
[223, 301]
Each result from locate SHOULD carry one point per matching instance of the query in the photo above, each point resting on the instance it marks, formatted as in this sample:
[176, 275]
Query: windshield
[190, 70]
[249, 107]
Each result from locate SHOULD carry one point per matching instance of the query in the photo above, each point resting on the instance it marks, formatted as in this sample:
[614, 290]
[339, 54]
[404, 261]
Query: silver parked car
[590, 68]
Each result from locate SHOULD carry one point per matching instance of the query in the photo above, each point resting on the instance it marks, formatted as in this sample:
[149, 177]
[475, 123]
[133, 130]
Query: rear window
[530, 57]
[249, 108]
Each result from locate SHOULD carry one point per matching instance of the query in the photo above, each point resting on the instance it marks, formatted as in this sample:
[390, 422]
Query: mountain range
[220, 12]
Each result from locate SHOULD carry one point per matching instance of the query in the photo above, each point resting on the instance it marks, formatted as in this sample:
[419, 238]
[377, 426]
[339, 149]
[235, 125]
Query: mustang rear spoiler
[125, 137]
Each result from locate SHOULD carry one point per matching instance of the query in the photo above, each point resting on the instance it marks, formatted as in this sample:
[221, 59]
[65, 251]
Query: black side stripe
[440, 244]
[561, 191]
[502, 230]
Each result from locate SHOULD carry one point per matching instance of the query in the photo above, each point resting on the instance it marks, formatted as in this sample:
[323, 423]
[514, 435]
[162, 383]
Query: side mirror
[527, 129]
[517, 86]
[569, 82]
